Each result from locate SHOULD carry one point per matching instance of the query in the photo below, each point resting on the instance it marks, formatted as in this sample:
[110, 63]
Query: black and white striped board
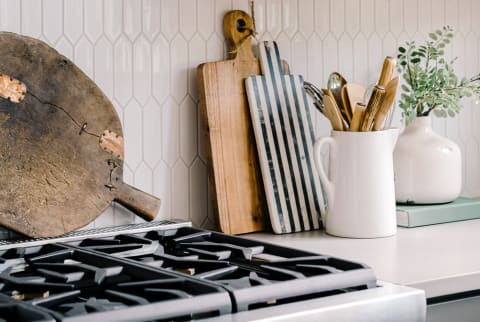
[284, 135]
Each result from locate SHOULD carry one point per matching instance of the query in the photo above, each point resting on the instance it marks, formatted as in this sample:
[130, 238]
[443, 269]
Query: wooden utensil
[60, 145]
[372, 107]
[347, 109]
[358, 115]
[387, 71]
[234, 172]
[355, 93]
[386, 103]
[333, 113]
[335, 84]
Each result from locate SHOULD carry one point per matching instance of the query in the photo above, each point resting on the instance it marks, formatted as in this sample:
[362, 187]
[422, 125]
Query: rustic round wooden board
[54, 176]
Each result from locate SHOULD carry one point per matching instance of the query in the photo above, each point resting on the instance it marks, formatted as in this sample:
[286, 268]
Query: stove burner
[172, 274]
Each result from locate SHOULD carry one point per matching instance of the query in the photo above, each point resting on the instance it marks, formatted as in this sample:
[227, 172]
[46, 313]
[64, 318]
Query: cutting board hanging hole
[238, 30]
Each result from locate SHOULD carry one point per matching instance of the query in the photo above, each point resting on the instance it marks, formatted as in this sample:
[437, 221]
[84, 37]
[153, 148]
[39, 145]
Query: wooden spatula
[358, 116]
[333, 113]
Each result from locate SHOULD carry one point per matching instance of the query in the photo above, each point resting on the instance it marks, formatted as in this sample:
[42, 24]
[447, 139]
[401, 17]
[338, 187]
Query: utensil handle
[141, 203]
[358, 116]
[387, 70]
[327, 183]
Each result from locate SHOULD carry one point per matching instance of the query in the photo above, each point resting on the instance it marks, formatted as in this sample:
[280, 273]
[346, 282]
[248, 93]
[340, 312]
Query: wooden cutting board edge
[246, 211]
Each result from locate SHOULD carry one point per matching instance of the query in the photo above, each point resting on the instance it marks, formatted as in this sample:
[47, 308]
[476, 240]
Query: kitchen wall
[143, 54]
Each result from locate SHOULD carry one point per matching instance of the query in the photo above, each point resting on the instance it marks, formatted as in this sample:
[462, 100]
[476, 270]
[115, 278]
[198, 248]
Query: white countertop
[440, 259]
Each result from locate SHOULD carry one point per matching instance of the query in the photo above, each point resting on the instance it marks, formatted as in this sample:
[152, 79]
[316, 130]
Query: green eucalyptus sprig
[431, 82]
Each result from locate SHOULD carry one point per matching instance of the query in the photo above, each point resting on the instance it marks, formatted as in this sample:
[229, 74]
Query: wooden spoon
[386, 103]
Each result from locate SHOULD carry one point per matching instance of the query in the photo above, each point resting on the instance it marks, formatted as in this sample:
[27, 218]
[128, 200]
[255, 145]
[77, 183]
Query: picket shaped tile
[352, 17]
[152, 131]
[32, 18]
[290, 17]
[132, 18]
[179, 64]
[83, 54]
[132, 131]
[142, 69]
[206, 18]
[93, 19]
[143, 178]
[160, 69]
[150, 18]
[337, 14]
[170, 132]
[180, 191]
[169, 18]
[188, 17]
[188, 133]
[103, 62]
[162, 188]
[122, 67]
[113, 19]
[73, 19]
[198, 192]
[52, 28]
[306, 23]
[10, 15]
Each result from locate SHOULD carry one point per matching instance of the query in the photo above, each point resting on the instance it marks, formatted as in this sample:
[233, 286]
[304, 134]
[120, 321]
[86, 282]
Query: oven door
[388, 302]
[458, 307]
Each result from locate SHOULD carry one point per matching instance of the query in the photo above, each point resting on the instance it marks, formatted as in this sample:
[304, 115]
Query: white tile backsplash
[143, 54]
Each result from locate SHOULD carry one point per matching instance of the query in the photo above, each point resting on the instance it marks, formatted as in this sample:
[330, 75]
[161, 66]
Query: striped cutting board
[284, 136]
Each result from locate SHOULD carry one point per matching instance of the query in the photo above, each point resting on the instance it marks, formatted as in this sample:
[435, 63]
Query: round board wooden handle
[141, 203]
[61, 145]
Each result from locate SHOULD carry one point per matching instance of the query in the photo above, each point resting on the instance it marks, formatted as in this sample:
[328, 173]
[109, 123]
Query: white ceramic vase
[427, 166]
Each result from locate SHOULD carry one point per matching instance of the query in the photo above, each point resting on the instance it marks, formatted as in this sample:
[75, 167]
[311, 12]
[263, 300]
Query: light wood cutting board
[233, 162]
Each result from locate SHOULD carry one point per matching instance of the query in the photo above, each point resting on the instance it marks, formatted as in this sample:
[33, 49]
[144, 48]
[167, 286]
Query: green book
[421, 215]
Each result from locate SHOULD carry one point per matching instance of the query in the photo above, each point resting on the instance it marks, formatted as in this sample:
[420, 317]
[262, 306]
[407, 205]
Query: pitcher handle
[327, 183]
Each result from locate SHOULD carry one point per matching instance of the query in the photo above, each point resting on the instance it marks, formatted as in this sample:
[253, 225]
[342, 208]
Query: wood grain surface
[233, 162]
[54, 174]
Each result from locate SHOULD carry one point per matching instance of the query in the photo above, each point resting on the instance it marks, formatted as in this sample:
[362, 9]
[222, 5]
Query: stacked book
[421, 215]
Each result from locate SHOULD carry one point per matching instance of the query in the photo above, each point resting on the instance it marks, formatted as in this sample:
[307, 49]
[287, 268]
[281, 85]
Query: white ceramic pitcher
[360, 185]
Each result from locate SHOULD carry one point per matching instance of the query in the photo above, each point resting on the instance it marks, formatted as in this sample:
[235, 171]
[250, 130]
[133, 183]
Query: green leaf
[402, 49]
[415, 60]
[433, 36]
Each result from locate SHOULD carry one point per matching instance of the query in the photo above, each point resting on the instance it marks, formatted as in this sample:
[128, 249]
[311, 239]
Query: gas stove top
[165, 272]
